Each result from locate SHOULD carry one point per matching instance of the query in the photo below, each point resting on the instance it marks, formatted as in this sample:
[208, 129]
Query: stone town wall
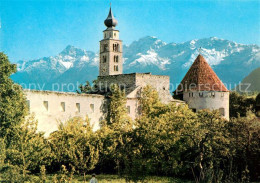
[50, 108]
[133, 80]
[212, 100]
[158, 82]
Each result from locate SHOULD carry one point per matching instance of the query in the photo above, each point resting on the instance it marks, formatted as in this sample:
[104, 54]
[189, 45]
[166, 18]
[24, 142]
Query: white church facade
[50, 107]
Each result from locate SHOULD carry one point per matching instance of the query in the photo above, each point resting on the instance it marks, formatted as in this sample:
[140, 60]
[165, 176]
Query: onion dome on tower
[110, 22]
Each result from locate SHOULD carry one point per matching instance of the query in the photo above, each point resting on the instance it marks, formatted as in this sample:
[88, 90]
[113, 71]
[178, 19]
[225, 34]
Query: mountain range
[230, 60]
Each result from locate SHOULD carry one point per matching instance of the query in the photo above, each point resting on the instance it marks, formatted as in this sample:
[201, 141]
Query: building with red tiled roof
[202, 89]
[201, 77]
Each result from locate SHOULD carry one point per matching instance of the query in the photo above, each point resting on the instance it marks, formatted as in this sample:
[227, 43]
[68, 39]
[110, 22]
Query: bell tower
[111, 61]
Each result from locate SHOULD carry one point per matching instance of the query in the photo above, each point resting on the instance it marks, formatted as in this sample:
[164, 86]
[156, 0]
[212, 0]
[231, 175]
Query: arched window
[116, 58]
[105, 47]
[116, 47]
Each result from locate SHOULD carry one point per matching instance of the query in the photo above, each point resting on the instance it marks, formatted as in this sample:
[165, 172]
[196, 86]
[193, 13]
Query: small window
[46, 105]
[77, 107]
[222, 94]
[190, 94]
[116, 47]
[201, 94]
[222, 111]
[115, 34]
[116, 58]
[92, 107]
[115, 67]
[104, 59]
[193, 110]
[212, 94]
[128, 109]
[105, 47]
[28, 104]
[62, 105]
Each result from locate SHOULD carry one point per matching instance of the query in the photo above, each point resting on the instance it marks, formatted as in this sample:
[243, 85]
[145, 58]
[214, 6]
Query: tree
[75, 144]
[211, 141]
[117, 116]
[162, 133]
[113, 132]
[26, 152]
[87, 88]
[240, 104]
[245, 135]
[13, 108]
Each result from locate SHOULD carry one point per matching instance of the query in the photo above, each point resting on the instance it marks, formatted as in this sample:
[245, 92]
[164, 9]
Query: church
[200, 88]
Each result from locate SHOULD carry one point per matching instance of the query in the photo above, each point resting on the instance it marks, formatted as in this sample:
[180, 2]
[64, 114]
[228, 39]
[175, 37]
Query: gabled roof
[201, 77]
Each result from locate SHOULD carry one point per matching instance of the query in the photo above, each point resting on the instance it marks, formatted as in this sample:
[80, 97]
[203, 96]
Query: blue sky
[34, 29]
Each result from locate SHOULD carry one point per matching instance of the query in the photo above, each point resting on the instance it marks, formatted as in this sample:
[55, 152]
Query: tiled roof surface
[201, 77]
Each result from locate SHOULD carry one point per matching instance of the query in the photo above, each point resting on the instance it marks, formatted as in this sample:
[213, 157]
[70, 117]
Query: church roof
[201, 77]
[110, 22]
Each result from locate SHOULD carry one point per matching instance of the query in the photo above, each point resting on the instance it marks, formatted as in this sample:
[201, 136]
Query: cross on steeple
[199, 50]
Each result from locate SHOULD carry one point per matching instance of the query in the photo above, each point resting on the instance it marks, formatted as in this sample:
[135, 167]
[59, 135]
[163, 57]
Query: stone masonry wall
[50, 108]
[212, 100]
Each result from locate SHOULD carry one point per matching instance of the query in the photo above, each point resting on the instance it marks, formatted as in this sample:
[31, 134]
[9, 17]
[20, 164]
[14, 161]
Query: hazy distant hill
[252, 80]
[231, 61]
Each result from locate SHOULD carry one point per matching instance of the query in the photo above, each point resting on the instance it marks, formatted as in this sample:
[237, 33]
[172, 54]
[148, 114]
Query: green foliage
[158, 139]
[43, 174]
[113, 134]
[258, 105]
[29, 150]
[118, 118]
[239, 105]
[75, 144]
[12, 101]
[87, 88]
[246, 146]
[211, 142]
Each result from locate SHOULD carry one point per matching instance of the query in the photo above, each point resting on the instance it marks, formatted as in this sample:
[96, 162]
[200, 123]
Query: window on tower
[105, 47]
[115, 67]
[104, 59]
[116, 47]
[116, 58]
